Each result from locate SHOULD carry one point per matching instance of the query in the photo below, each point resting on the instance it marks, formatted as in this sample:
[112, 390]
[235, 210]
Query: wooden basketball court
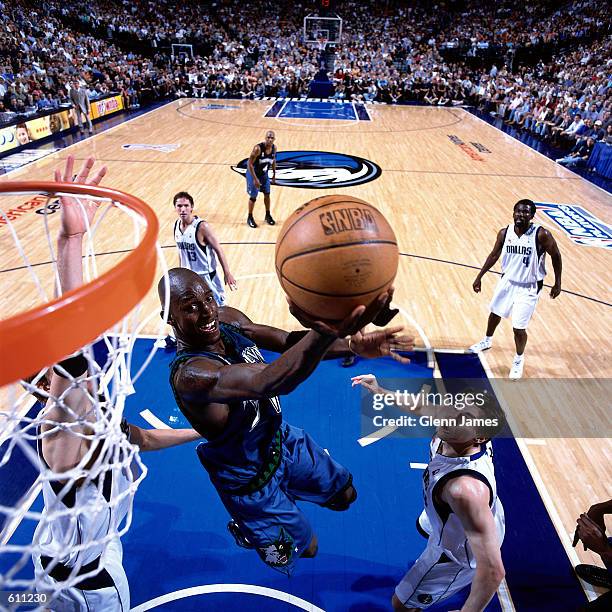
[446, 198]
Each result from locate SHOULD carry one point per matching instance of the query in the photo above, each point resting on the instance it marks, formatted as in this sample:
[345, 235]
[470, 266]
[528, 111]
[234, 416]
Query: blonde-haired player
[463, 517]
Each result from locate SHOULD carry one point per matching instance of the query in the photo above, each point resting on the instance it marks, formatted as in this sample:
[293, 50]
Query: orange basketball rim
[47, 333]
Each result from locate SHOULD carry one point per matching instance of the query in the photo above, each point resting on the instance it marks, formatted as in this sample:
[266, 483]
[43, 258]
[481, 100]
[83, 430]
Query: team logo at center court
[579, 224]
[319, 169]
[163, 148]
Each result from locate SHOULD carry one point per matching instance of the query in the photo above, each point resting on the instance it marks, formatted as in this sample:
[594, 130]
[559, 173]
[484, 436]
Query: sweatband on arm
[75, 366]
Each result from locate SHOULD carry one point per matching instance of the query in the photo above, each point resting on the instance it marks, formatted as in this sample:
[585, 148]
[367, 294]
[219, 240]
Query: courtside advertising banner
[31, 130]
[101, 108]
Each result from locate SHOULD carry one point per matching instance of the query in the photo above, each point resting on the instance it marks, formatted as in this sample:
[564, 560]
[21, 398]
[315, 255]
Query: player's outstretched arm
[265, 336]
[201, 381]
[64, 448]
[158, 439]
[491, 259]
[469, 500]
[76, 216]
[380, 343]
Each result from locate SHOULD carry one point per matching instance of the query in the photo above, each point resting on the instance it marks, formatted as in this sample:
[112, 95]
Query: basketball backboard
[318, 28]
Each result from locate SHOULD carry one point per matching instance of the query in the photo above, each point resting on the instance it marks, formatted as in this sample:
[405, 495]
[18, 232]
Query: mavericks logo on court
[579, 224]
[319, 169]
[163, 148]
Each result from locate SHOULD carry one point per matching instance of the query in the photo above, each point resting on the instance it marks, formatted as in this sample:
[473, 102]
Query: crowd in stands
[393, 52]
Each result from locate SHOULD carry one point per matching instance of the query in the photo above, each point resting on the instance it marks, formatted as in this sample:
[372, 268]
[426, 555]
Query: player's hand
[555, 290]
[382, 343]
[358, 319]
[387, 313]
[592, 537]
[230, 281]
[77, 213]
[367, 381]
[597, 514]
[257, 184]
[273, 180]
[476, 285]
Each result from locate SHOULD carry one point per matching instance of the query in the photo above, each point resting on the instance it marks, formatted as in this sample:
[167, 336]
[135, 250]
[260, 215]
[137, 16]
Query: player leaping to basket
[259, 464]
[86, 475]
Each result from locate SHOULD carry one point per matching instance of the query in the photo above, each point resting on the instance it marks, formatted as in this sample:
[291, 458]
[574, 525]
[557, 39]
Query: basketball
[335, 253]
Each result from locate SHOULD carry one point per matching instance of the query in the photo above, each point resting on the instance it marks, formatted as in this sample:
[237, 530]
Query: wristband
[74, 366]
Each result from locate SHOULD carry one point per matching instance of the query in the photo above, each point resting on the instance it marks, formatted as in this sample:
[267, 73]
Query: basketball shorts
[111, 593]
[269, 518]
[252, 190]
[516, 300]
[432, 578]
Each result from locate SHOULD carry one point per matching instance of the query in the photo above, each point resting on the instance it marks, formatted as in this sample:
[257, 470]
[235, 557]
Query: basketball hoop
[48, 332]
[43, 335]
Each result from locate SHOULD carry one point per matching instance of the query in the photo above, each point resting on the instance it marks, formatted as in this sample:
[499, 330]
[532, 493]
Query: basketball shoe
[484, 345]
[241, 539]
[516, 371]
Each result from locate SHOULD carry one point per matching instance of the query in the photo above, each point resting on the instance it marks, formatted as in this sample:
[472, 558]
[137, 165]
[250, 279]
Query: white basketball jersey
[444, 527]
[200, 259]
[520, 260]
[83, 515]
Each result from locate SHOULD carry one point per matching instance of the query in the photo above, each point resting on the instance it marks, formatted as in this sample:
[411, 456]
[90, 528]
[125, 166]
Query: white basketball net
[106, 478]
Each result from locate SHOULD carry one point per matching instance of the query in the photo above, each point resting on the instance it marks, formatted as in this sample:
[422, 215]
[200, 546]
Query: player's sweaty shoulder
[196, 375]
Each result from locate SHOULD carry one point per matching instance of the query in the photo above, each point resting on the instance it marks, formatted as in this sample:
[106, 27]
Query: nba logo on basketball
[347, 219]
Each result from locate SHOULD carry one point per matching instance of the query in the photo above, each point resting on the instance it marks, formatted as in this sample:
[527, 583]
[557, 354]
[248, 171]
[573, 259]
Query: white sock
[489, 338]
[518, 357]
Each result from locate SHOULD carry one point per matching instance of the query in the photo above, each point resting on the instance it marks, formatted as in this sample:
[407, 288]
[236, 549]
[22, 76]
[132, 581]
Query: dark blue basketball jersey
[233, 458]
[264, 160]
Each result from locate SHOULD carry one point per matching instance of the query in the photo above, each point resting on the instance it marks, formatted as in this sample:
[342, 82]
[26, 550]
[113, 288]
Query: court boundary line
[279, 112]
[365, 108]
[269, 109]
[537, 479]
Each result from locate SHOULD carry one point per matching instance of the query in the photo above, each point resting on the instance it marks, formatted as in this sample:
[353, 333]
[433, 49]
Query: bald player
[263, 156]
